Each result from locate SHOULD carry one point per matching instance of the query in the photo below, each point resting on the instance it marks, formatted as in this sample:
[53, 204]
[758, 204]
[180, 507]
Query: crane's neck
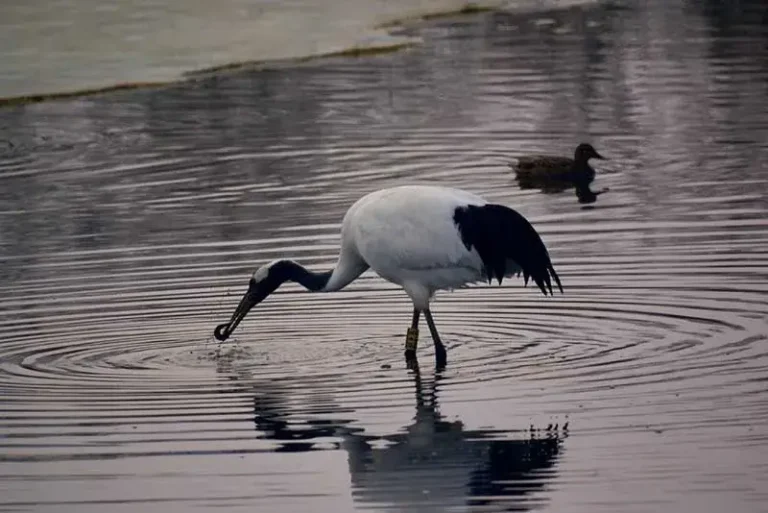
[268, 278]
[288, 270]
[343, 274]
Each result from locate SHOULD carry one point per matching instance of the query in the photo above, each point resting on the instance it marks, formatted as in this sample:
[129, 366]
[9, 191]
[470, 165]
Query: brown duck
[556, 174]
[543, 171]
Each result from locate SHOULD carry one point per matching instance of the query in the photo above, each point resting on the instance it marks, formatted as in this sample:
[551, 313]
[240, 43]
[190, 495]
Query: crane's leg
[412, 337]
[440, 355]
[412, 340]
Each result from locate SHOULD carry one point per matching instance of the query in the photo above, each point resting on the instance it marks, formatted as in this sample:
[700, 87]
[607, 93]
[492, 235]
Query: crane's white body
[407, 235]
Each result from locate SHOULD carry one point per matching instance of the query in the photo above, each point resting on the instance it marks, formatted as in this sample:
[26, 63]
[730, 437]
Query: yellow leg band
[411, 339]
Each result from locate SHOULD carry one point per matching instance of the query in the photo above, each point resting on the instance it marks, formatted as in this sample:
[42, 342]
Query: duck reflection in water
[432, 464]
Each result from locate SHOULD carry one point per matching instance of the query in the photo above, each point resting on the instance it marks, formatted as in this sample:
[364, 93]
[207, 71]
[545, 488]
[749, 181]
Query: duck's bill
[598, 156]
[251, 298]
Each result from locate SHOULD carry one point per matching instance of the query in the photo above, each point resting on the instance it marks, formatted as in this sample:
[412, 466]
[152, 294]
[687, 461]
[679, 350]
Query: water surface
[130, 222]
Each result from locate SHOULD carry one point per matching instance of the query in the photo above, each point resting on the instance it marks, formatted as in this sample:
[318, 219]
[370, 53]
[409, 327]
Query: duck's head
[585, 151]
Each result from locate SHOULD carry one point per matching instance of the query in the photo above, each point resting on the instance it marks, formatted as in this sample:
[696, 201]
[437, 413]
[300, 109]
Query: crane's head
[263, 282]
[585, 151]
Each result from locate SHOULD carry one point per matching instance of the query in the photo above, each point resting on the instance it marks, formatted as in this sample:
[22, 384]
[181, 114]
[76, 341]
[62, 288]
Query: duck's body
[547, 168]
[423, 238]
[554, 173]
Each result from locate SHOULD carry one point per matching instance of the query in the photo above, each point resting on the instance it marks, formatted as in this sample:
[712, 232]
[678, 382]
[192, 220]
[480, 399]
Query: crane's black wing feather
[499, 233]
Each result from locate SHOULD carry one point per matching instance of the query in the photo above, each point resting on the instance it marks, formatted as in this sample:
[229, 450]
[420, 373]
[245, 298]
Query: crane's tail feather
[500, 234]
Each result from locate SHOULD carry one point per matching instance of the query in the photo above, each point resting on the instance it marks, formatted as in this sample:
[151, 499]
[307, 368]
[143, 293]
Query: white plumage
[423, 238]
[407, 236]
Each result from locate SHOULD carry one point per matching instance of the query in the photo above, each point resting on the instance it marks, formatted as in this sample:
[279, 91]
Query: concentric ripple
[641, 388]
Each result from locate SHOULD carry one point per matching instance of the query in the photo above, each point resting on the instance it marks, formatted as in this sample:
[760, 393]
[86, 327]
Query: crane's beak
[252, 297]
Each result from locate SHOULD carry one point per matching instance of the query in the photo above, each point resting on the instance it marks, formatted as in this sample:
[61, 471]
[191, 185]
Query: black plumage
[499, 233]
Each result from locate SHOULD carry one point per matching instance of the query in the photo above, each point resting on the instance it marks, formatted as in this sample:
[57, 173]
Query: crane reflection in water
[432, 464]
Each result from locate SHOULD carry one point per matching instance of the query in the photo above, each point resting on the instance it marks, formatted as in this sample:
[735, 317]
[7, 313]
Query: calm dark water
[129, 225]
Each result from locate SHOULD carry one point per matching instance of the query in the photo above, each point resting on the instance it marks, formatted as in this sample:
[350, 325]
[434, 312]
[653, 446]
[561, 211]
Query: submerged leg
[412, 337]
[441, 356]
